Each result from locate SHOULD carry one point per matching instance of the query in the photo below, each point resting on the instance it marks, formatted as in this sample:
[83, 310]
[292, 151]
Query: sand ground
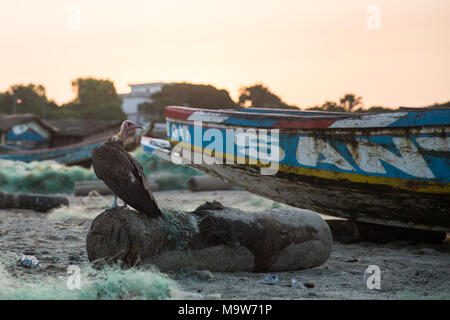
[408, 270]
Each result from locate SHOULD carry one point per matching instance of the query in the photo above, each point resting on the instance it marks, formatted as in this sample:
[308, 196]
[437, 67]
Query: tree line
[98, 99]
[94, 99]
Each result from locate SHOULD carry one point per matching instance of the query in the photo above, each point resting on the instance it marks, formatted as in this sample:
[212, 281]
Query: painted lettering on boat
[440, 144]
[418, 154]
[312, 151]
[409, 160]
[254, 144]
[181, 133]
[365, 155]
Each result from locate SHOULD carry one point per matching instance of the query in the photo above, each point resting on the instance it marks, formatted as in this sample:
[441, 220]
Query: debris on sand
[270, 279]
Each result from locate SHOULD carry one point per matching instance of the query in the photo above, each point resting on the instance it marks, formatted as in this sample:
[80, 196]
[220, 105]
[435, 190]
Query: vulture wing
[124, 176]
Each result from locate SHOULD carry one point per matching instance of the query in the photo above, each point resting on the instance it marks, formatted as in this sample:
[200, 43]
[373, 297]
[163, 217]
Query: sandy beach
[57, 239]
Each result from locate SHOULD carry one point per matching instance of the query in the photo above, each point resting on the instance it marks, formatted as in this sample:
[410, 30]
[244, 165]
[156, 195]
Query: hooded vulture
[123, 174]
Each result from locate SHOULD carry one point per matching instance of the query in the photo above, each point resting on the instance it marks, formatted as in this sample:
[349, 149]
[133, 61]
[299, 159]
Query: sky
[391, 52]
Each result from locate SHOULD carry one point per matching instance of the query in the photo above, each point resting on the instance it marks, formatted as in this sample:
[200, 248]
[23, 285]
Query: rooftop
[147, 84]
[83, 128]
[7, 121]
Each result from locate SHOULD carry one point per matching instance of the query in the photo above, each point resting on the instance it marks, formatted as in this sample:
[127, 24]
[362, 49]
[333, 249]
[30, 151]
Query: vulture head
[128, 127]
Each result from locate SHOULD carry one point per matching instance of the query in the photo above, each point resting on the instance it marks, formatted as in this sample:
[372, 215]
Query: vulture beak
[135, 126]
[131, 128]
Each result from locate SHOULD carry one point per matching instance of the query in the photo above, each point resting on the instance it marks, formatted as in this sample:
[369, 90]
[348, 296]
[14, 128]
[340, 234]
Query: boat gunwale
[323, 120]
[334, 115]
[356, 131]
[71, 146]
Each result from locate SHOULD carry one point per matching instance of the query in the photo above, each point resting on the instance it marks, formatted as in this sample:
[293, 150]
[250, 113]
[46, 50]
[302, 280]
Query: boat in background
[78, 153]
[388, 168]
[25, 137]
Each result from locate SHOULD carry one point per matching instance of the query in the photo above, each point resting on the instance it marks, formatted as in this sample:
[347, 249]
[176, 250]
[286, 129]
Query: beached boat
[77, 153]
[25, 137]
[387, 168]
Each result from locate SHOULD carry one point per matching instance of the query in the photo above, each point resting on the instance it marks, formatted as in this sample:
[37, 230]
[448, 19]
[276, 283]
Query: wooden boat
[25, 137]
[77, 153]
[386, 168]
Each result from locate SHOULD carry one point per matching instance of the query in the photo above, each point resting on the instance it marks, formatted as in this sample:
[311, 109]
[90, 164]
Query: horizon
[306, 53]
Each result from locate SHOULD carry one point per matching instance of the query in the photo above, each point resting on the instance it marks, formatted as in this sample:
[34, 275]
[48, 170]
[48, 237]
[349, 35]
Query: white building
[140, 93]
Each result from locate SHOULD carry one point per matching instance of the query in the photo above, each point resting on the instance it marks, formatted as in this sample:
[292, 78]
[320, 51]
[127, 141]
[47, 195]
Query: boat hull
[391, 168]
[71, 154]
[357, 202]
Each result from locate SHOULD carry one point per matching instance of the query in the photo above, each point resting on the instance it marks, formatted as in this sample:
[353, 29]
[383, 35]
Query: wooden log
[82, 188]
[212, 237]
[207, 183]
[36, 202]
[346, 231]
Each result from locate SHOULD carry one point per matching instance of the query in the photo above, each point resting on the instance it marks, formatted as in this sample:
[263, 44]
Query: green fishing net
[109, 283]
[51, 177]
[179, 226]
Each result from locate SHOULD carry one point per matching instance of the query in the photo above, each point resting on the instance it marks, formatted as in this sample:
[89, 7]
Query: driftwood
[212, 237]
[83, 188]
[207, 183]
[36, 202]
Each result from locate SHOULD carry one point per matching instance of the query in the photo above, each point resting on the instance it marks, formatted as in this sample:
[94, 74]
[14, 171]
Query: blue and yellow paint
[417, 161]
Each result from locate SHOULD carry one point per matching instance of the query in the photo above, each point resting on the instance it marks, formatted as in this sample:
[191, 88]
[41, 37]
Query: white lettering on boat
[369, 156]
[252, 146]
[309, 149]
[441, 144]
[181, 133]
[369, 121]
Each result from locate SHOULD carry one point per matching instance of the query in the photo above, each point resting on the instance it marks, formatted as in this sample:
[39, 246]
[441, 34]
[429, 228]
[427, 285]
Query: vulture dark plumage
[123, 174]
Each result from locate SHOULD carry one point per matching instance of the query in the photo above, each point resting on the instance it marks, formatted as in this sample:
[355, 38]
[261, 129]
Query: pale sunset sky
[307, 52]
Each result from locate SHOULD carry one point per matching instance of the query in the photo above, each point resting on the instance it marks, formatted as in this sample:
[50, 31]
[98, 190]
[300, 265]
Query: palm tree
[350, 101]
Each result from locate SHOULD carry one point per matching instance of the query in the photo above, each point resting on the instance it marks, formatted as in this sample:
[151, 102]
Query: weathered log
[36, 202]
[212, 237]
[346, 231]
[207, 183]
[83, 188]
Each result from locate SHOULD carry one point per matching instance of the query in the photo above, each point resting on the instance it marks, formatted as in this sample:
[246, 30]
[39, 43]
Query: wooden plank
[36, 202]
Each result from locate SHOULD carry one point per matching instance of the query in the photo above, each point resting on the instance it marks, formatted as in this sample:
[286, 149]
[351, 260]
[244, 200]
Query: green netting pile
[41, 177]
[168, 175]
[110, 283]
[52, 177]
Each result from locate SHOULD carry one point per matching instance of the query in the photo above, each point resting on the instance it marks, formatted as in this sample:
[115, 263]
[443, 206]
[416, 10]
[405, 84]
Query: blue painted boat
[389, 168]
[78, 153]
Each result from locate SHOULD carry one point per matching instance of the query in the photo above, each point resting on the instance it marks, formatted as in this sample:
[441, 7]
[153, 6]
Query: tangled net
[179, 226]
